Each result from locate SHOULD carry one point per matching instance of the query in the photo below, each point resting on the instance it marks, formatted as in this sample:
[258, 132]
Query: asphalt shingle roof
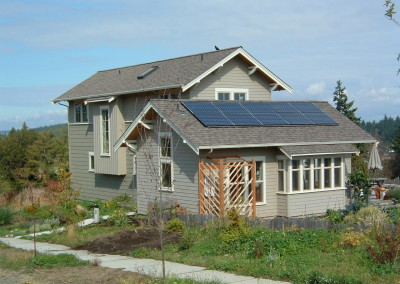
[319, 149]
[203, 137]
[170, 73]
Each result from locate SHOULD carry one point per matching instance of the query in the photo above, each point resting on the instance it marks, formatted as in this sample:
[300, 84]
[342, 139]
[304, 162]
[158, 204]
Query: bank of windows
[231, 94]
[105, 130]
[307, 174]
[81, 113]
[165, 151]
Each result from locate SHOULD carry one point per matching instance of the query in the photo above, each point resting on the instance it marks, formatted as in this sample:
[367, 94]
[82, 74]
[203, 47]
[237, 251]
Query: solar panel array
[222, 113]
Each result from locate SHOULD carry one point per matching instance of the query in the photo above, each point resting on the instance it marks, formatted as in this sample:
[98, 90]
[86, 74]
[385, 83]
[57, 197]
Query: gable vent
[147, 72]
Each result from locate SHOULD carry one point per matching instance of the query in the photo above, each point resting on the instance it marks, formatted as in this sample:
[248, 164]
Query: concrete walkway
[149, 267]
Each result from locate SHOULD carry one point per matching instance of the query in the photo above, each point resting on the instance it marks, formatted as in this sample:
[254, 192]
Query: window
[134, 171]
[91, 161]
[105, 130]
[260, 195]
[309, 174]
[229, 94]
[81, 113]
[281, 175]
[165, 142]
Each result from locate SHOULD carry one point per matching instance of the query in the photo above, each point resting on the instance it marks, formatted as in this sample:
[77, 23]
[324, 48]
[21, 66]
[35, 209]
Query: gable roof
[181, 72]
[198, 137]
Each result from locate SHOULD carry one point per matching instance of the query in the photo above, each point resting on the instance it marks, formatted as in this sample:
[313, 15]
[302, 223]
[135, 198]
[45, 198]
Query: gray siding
[90, 185]
[309, 203]
[185, 179]
[234, 74]
[115, 162]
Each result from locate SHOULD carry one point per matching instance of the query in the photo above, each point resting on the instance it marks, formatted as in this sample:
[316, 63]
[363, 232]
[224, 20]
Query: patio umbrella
[374, 160]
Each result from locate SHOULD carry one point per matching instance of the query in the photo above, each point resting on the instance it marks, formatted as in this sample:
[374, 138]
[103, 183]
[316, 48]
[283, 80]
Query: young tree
[390, 13]
[342, 103]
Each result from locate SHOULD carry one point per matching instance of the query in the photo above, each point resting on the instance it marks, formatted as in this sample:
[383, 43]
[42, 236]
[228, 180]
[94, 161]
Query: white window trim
[231, 92]
[101, 132]
[288, 175]
[91, 169]
[166, 160]
[81, 116]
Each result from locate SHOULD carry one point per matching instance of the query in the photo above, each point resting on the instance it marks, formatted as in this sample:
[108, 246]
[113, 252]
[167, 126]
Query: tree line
[31, 157]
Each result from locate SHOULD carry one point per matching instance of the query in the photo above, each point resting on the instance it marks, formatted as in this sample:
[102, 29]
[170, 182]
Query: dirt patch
[126, 241]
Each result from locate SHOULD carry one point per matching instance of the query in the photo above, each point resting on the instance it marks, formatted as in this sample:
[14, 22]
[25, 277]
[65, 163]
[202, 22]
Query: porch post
[221, 187]
[253, 187]
[201, 187]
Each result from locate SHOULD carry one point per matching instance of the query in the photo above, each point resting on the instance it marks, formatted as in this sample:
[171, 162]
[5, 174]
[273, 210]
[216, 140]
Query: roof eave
[245, 54]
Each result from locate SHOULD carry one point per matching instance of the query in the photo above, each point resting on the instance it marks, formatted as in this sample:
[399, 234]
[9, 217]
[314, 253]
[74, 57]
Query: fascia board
[135, 123]
[283, 144]
[250, 58]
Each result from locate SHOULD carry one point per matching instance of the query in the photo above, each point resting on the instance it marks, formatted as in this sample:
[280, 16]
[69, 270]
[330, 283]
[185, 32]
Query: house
[203, 131]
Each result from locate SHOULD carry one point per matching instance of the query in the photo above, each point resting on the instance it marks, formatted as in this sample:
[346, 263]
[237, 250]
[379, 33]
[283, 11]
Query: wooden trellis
[226, 183]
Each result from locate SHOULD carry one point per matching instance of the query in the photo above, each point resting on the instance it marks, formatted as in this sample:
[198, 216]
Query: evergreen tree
[396, 142]
[342, 103]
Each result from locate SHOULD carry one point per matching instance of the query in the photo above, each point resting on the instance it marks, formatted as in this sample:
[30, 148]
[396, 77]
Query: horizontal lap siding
[234, 74]
[185, 164]
[90, 185]
[315, 202]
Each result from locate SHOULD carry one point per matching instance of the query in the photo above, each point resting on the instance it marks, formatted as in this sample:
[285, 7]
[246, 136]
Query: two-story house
[204, 131]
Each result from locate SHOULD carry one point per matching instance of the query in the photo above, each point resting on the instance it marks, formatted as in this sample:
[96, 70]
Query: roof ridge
[163, 60]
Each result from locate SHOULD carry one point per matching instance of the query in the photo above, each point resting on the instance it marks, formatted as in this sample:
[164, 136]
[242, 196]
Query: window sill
[91, 171]
[166, 190]
[105, 155]
[79, 123]
[261, 203]
[310, 191]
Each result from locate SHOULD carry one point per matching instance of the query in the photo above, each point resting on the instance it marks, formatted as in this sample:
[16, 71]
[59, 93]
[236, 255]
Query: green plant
[394, 193]
[371, 216]
[334, 216]
[6, 216]
[188, 240]
[352, 239]
[394, 214]
[120, 201]
[119, 218]
[360, 183]
[176, 225]
[317, 277]
[50, 261]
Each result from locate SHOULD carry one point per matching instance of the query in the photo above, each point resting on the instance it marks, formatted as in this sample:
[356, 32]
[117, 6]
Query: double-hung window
[105, 130]
[310, 173]
[91, 161]
[81, 113]
[230, 94]
[165, 152]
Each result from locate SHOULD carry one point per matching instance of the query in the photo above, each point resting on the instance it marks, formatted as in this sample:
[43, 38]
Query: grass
[17, 259]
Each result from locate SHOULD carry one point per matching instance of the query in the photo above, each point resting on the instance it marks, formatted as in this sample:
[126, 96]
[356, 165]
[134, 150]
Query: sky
[47, 47]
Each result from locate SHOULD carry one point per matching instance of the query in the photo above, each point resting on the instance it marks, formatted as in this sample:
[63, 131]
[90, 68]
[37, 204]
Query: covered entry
[225, 183]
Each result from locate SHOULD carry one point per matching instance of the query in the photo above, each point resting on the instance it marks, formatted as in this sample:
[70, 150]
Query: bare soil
[126, 241]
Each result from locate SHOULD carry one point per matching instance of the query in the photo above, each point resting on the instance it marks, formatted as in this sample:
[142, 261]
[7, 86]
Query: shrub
[233, 234]
[394, 193]
[119, 218]
[6, 216]
[394, 214]
[334, 216]
[387, 245]
[352, 239]
[369, 216]
[175, 225]
[187, 241]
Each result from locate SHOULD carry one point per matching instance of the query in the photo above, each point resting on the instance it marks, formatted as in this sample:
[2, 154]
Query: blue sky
[47, 47]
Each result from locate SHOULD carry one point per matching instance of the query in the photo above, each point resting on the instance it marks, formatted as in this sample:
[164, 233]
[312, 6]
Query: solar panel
[235, 113]
[226, 107]
[243, 119]
[296, 118]
[282, 107]
[257, 107]
[214, 120]
[321, 118]
[306, 107]
[270, 119]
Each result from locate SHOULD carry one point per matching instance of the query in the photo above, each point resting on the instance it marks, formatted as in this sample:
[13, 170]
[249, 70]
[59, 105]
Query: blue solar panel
[321, 118]
[218, 113]
[257, 107]
[243, 119]
[270, 119]
[226, 107]
[282, 107]
[214, 120]
[296, 118]
[306, 107]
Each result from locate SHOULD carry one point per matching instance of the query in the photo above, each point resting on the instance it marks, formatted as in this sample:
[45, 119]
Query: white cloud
[42, 118]
[316, 88]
